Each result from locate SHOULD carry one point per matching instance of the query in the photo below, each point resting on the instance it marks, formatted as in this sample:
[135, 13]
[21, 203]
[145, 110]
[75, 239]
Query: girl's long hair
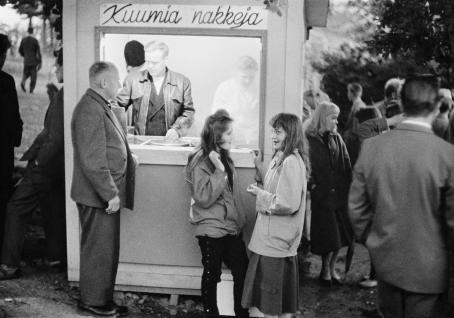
[295, 138]
[317, 124]
[210, 138]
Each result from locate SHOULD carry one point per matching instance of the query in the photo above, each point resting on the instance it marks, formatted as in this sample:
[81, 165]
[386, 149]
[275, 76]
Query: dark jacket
[48, 147]
[29, 49]
[179, 108]
[103, 164]
[10, 120]
[329, 183]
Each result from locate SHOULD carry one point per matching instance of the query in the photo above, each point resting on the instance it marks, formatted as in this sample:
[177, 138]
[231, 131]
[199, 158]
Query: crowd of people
[386, 182]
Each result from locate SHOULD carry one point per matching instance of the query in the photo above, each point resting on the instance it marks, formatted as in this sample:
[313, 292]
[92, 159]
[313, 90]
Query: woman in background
[329, 186]
[272, 278]
[215, 211]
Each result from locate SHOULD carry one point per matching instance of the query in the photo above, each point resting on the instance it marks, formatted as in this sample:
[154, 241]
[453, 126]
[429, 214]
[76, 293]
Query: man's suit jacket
[402, 200]
[48, 146]
[103, 164]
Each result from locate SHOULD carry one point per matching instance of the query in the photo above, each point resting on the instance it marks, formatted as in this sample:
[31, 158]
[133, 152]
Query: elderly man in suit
[402, 205]
[103, 183]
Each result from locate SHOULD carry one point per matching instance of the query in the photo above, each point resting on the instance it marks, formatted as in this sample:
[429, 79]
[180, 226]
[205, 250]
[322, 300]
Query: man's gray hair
[100, 67]
[157, 45]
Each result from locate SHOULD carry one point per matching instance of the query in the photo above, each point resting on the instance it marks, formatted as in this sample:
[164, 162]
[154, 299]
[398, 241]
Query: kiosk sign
[184, 16]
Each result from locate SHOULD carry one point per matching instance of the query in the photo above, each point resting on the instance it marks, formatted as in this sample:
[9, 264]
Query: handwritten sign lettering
[182, 16]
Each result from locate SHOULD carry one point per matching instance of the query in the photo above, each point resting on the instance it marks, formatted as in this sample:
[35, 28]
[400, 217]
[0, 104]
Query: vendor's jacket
[215, 209]
[179, 110]
[280, 206]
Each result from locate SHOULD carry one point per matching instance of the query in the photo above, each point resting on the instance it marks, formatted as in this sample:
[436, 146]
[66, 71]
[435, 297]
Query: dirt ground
[40, 293]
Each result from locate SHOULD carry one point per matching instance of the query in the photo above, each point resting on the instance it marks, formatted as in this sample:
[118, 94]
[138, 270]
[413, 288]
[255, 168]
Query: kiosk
[158, 251]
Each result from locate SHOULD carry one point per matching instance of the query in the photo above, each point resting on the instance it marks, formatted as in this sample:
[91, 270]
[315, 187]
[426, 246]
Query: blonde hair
[157, 45]
[317, 124]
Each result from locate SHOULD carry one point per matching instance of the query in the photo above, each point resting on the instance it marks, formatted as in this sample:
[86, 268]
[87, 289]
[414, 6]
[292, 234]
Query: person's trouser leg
[394, 302]
[417, 305]
[33, 76]
[25, 74]
[236, 259]
[99, 253]
[54, 221]
[211, 249]
[6, 184]
[390, 300]
[23, 202]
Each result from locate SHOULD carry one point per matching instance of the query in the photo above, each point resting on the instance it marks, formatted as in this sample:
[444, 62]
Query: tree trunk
[44, 34]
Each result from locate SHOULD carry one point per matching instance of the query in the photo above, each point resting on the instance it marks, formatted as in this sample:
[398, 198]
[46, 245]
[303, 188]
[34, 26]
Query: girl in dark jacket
[330, 182]
[215, 211]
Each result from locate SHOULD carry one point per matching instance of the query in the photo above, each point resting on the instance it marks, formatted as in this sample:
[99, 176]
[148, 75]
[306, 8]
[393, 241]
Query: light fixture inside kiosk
[225, 71]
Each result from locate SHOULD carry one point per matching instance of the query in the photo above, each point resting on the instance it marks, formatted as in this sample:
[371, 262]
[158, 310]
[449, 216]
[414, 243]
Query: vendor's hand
[38, 67]
[172, 135]
[253, 189]
[113, 205]
[216, 160]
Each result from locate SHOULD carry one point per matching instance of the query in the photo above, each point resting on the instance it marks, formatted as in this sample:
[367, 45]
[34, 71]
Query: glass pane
[224, 73]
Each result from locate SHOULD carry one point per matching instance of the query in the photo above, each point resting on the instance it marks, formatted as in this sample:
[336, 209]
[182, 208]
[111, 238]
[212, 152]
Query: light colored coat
[281, 206]
[401, 204]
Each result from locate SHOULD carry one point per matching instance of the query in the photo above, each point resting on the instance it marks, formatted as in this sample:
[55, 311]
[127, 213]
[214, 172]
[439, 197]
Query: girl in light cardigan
[271, 282]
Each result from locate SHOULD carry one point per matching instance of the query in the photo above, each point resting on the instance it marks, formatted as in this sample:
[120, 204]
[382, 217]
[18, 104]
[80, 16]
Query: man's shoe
[368, 283]
[104, 311]
[7, 272]
[22, 86]
[122, 311]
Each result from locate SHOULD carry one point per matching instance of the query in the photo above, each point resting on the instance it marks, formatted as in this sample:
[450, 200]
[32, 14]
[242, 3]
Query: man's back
[409, 176]
[29, 49]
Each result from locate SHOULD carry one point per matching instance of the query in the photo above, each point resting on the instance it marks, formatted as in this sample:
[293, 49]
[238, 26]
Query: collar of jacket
[170, 77]
[98, 97]
[413, 127]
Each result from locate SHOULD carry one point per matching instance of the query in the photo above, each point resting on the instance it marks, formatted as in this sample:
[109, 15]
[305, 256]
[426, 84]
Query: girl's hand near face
[253, 189]
[216, 160]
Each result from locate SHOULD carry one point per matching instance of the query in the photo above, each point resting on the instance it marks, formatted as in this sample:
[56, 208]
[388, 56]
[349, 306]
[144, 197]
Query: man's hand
[113, 205]
[216, 160]
[38, 67]
[172, 135]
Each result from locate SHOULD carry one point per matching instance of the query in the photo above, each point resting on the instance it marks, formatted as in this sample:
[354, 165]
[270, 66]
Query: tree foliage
[40, 8]
[421, 30]
[357, 64]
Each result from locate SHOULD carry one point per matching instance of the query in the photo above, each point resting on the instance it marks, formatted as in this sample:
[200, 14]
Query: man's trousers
[35, 190]
[32, 72]
[99, 253]
[394, 302]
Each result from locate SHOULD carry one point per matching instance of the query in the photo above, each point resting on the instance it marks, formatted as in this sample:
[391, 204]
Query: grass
[32, 107]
